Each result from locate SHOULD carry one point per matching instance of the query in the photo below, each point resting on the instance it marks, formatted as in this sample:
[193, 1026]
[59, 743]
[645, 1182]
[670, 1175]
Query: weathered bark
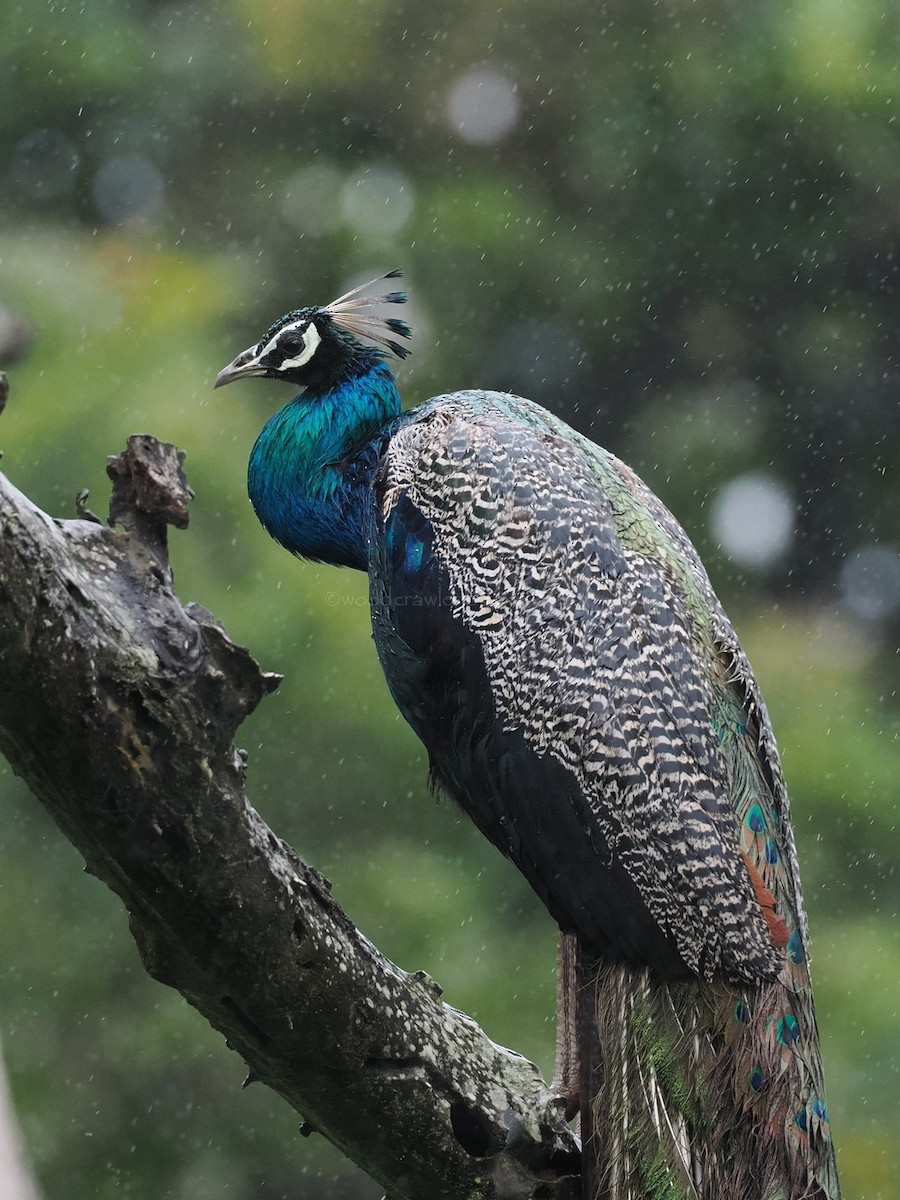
[118, 707]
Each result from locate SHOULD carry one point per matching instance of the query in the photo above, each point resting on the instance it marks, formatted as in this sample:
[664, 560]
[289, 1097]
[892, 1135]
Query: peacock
[549, 632]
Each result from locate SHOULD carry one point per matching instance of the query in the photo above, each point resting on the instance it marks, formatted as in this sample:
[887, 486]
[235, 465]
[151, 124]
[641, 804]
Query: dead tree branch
[118, 707]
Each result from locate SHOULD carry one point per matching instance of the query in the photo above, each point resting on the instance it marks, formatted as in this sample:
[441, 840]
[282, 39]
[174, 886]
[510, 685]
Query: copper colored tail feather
[777, 926]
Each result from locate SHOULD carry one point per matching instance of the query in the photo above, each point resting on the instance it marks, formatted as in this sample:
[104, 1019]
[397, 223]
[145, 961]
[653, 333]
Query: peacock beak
[244, 365]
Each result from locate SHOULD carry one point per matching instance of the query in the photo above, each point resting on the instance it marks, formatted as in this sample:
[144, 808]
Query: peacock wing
[564, 688]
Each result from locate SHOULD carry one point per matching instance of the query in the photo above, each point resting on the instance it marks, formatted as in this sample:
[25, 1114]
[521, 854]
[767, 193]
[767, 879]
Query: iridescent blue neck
[311, 470]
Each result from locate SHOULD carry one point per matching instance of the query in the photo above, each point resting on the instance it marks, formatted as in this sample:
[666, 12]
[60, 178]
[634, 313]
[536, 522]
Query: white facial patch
[311, 339]
[310, 343]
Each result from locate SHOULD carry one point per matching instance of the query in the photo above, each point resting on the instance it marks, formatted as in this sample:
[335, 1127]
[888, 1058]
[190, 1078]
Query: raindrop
[44, 164]
[753, 519]
[310, 199]
[127, 187]
[378, 202]
[842, 642]
[537, 359]
[483, 106]
[869, 582]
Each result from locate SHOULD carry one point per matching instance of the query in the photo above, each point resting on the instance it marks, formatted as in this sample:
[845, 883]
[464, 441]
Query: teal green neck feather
[313, 465]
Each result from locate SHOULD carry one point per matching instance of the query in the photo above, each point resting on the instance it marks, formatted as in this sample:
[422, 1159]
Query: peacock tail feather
[707, 1091]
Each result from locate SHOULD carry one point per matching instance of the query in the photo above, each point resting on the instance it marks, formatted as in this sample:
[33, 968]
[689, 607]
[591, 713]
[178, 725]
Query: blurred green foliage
[683, 239]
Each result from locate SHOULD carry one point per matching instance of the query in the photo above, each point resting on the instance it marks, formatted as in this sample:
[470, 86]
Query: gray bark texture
[118, 707]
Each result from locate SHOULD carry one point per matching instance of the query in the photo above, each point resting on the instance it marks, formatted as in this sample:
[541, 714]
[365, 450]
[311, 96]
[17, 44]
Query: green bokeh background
[684, 242]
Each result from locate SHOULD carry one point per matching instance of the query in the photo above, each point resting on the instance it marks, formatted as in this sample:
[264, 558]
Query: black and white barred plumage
[567, 615]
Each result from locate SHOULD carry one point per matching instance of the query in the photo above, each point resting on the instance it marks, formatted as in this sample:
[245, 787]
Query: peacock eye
[291, 341]
[299, 345]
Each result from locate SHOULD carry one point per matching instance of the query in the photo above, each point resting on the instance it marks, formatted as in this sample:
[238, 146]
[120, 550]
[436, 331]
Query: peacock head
[319, 348]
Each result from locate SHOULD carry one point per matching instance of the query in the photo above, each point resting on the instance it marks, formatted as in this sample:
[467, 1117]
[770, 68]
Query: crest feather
[345, 313]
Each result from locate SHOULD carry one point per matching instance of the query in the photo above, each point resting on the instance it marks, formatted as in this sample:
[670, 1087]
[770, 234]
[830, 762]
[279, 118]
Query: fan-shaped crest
[348, 312]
